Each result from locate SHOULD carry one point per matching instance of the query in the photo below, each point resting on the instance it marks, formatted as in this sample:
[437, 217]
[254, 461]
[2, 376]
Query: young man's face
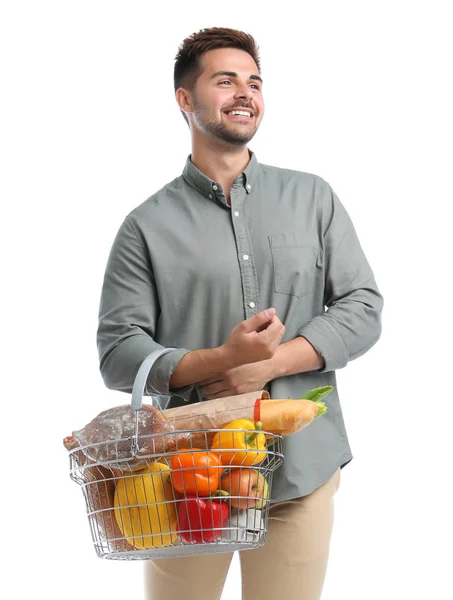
[215, 95]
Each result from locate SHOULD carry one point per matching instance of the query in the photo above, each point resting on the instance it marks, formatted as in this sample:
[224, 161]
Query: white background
[356, 92]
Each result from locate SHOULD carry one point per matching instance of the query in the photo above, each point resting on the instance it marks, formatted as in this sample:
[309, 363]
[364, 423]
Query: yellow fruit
[155, 524]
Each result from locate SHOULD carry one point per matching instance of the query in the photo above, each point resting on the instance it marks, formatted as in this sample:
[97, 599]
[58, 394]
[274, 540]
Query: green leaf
[322, 409]
[318, 393]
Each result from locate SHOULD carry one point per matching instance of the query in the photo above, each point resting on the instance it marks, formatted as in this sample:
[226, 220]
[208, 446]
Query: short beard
[218, 130]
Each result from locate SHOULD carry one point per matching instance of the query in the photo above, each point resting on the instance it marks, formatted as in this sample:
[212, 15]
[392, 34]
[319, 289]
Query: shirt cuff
[159, 377]
[328, 343]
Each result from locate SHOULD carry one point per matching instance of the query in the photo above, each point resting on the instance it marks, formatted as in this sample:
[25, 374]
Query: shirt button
[245, 257]
[210, 195]
[252, 304]
[214, 187]
[249, 187]
[236, 214]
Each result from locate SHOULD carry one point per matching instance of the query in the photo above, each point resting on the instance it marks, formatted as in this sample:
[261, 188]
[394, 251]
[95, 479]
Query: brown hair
[187, 67]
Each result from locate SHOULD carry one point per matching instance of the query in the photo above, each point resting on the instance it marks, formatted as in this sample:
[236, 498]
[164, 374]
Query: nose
[244, 91]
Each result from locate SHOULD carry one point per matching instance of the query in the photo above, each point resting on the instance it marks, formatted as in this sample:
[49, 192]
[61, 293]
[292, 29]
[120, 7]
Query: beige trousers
[291, 565]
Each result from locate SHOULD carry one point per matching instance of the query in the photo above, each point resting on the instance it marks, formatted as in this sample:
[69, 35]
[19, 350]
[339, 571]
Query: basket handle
[142, 376]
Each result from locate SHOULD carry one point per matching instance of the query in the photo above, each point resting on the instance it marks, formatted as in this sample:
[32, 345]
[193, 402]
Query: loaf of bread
[108, 437]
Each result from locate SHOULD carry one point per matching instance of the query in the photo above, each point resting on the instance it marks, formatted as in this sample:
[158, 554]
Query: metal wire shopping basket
[172, 494]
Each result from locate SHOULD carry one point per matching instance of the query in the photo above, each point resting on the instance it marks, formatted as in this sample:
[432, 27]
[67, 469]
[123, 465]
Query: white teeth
[239, 112]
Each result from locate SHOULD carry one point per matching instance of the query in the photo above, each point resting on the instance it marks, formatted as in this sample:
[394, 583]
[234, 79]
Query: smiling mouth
[239, 117]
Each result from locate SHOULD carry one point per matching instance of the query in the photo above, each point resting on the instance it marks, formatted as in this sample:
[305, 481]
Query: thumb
[260, 319]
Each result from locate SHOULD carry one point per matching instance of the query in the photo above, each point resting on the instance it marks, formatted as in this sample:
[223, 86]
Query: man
[196, 266]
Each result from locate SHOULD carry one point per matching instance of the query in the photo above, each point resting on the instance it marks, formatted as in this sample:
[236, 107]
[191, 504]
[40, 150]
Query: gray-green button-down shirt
[185, 268]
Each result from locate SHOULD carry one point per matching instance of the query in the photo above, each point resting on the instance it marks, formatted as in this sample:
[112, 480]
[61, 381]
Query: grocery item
[246, 487]
[244, 525]
[285, 417]
[196, 472]
[151, 525]
[107, 436]
[282, 417]
[201, 520]
[214, 414]
[240, 447]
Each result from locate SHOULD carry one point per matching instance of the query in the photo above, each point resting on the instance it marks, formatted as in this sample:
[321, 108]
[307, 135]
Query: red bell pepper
[200, 520]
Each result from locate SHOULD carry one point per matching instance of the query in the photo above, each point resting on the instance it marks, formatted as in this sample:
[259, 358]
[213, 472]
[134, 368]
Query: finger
[259, 320]
[265, 325]
[274, 319]
[273, 331]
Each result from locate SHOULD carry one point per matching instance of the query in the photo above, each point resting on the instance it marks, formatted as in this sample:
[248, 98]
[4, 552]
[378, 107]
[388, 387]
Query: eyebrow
[232, 74]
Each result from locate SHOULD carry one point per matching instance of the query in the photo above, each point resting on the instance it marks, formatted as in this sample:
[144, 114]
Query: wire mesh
[208, 492]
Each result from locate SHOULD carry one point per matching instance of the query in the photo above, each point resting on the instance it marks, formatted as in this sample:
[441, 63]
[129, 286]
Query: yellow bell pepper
[241, 447]
[154, 524]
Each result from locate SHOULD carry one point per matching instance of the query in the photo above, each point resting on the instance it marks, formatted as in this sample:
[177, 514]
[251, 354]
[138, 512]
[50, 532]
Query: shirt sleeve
[351, 325]
[128, 314]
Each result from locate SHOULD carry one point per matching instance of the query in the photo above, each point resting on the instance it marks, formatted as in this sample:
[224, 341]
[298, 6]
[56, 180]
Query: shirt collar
[207, 186]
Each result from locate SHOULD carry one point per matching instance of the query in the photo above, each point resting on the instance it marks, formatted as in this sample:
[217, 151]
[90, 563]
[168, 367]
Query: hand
[239, 380]
[255, 339]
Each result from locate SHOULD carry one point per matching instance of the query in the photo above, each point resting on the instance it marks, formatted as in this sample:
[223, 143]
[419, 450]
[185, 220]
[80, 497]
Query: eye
[226, 81]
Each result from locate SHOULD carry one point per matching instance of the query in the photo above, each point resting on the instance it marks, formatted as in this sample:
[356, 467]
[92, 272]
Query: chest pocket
[294, 264]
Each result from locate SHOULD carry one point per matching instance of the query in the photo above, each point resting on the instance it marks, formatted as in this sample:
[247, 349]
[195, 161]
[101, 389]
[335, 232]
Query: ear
[184, 100]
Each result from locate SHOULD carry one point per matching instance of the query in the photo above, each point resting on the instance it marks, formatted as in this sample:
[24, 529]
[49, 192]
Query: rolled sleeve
[328, 343]
[161, 372]
[351, 325]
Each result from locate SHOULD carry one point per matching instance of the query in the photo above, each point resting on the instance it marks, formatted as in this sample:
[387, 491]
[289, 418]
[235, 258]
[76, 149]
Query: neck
[221, 166]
